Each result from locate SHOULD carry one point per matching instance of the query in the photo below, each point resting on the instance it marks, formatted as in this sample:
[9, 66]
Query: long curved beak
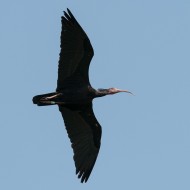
[120, 90]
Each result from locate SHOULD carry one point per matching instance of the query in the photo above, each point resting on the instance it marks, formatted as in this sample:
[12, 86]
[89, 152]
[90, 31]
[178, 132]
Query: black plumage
[74, 95]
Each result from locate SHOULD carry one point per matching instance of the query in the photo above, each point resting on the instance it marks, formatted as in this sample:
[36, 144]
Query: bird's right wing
[76, 51]
[84, 132]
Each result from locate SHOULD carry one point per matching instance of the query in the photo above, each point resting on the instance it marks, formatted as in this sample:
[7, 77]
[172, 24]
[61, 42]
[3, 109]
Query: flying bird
[74, 95]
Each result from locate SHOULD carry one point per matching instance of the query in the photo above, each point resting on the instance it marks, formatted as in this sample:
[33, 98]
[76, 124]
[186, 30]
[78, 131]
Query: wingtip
[84, 179]
[68, 10]
[70, 13]
[77, 171]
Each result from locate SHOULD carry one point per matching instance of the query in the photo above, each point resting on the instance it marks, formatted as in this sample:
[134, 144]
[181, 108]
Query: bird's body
[74, 95]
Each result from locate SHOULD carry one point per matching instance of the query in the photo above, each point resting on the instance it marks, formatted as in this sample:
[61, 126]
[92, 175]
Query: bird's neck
[100, 93]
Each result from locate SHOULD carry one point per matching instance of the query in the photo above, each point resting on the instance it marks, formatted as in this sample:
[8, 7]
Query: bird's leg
[49, 100]
[50, 97]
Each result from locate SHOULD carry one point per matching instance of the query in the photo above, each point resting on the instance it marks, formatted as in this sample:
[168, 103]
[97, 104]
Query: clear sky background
[142, 46]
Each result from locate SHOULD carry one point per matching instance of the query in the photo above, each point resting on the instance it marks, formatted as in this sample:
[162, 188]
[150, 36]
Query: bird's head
[111, 91]
[116, 90]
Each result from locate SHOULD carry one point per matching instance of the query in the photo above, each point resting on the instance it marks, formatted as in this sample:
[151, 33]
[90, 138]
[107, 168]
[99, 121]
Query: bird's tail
[38, 99]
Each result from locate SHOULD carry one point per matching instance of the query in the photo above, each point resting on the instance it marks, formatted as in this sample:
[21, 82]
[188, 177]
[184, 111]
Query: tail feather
[36, 99]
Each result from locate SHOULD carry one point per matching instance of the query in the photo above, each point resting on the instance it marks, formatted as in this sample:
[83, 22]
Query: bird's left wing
[76, 51]
[84, 132]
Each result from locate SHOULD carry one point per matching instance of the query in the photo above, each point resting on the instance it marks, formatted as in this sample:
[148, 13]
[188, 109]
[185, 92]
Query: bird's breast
[77, 95]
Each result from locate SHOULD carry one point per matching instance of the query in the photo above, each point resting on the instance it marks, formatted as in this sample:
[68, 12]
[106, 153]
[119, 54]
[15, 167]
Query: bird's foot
[48, 102]
[50, 97]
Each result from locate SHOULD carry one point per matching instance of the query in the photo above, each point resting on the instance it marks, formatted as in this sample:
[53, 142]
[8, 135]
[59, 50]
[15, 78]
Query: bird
[74, 95]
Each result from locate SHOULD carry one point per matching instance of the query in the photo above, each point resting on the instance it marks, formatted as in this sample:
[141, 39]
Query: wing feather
[76, 50]
[84, 132]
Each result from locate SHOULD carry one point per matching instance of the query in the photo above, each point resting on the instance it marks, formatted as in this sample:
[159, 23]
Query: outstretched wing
[76, 50]
[84, 132]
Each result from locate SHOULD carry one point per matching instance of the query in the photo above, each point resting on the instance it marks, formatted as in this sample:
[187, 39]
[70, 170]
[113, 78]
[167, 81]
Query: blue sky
[142, 46]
